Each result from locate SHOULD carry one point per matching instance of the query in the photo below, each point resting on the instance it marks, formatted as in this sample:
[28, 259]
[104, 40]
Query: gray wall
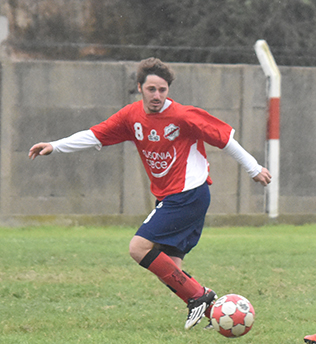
[43, 101]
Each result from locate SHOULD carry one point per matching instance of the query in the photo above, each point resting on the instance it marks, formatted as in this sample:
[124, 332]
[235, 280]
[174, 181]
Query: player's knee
[139, 247]
[135, 251]
[132, 250]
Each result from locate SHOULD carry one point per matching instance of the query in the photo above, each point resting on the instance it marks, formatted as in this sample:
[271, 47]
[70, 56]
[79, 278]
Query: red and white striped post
[273, 75]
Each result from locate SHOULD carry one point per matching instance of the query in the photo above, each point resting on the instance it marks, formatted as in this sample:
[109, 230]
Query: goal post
[273, 76]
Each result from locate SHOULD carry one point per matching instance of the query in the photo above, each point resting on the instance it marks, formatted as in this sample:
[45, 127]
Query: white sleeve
[250, 164]
[79, 141]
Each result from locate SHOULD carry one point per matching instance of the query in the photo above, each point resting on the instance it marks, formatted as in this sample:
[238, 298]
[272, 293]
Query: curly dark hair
[154, 66]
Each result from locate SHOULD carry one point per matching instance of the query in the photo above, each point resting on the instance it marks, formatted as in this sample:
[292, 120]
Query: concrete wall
[43, 101]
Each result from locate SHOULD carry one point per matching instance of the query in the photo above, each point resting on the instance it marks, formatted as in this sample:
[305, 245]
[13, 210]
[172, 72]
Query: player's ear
[139, 87]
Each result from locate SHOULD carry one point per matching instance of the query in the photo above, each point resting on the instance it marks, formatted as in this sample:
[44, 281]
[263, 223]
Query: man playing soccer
[170, 141]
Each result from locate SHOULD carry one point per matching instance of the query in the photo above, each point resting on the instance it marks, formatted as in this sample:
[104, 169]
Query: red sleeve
[208, 128]
[115, 129]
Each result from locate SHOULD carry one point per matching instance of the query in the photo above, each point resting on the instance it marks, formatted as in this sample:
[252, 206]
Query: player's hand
[264, 177]
[42, 148]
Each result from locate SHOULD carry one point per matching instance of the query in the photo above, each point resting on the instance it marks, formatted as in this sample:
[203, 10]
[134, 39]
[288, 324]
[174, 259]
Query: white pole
[4, 28]
[273, 75]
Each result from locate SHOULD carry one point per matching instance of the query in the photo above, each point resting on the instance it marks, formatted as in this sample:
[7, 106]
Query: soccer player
[170, 141]
[310, 339]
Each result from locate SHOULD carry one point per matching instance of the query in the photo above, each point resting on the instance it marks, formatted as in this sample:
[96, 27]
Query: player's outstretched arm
[77, 142]
[42, 148]
[264, 177]
[258, 173]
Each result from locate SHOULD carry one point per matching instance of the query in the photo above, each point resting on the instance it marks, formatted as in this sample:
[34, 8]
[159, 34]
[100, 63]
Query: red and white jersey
[170, 143]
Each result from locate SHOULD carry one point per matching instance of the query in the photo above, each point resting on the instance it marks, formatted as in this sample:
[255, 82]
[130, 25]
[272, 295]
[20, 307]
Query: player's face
[154, 92]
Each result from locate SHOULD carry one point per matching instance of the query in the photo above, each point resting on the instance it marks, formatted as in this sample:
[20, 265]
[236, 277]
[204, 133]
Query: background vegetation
[216, 31]
[79, 285]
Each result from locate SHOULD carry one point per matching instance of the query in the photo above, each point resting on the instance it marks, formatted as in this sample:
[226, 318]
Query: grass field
[79, 285]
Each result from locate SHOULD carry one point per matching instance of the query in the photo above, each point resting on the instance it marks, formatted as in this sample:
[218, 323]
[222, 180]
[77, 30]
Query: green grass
[79, 285]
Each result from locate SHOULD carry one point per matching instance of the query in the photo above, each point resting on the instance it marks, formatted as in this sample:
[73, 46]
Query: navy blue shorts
[178, 220]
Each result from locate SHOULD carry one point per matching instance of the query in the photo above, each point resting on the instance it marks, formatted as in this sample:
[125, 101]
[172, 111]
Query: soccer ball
[232, 315]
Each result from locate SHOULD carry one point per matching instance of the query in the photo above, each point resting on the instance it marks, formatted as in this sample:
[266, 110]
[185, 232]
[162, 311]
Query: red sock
[208, 310]
[165, 268]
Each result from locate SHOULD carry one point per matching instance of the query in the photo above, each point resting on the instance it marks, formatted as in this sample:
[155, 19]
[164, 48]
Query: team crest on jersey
[153, 136]
[171, 132]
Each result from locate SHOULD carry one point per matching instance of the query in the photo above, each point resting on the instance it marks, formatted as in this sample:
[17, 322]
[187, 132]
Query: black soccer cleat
[198, 307]
[209, 326]
[310, 339]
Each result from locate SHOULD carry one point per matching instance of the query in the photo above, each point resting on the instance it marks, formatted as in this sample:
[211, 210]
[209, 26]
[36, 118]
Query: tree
[221, 31]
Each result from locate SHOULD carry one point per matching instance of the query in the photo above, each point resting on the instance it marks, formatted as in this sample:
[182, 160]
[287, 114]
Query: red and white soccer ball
[232, 315]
